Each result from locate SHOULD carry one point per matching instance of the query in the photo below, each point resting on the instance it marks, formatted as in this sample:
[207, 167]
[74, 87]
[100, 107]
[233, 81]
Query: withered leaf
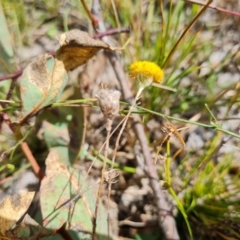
[43, 80]
[28, 228]
[41, 84]
[12, 209]
[76, 47]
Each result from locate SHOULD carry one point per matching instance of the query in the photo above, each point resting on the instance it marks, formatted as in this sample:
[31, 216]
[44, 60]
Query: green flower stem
[212, 126]
[100, 159]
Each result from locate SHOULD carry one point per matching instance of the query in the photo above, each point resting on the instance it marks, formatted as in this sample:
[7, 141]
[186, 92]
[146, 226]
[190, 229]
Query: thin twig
[113, 32]
[3, 181]
[10, 91]
[108, 128]
[169, 130]
[90, 15]
[132, 224]
[214, 7]
[12, 75]
[4, 116]
[116, 148]
[32, 160]
[24, 145]
[100, 150]
[166, 220]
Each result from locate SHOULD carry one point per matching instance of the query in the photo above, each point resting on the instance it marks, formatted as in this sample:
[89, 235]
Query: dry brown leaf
[12, 209]
[28, 228]
[55, 167]
[169, 130]
[44, 80]
[38, 73]
[76, 47]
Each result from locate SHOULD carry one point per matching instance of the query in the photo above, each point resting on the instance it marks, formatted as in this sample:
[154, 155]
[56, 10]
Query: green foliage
[205, 192]
[38, 87]
[66, 196]
[60, 125]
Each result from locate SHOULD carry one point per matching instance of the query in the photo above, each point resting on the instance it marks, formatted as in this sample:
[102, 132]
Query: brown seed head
[109, 102]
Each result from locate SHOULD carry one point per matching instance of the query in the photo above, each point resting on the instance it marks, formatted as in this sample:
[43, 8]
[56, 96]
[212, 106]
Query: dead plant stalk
[166, 220]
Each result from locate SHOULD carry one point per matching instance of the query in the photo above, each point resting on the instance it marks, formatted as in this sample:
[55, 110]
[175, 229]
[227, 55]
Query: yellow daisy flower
[145, 69]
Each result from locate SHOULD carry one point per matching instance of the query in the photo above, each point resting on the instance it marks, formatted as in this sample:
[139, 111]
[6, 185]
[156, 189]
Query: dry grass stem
[169, 130]
[166, 219]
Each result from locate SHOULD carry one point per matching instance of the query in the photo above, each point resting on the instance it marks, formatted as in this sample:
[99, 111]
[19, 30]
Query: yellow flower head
[145, 69]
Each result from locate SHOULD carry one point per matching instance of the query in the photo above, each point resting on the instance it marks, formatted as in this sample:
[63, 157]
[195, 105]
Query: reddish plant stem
[32, 160]
[214, 7]
[7, 179]
[10, 91]
[12, 75]
[6, 119]
[90, 15]
[113, 32]
[24, 146]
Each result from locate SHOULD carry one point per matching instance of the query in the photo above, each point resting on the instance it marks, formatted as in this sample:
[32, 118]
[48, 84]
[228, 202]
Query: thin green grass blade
[184, 33]
[182, 210]
[185, 54]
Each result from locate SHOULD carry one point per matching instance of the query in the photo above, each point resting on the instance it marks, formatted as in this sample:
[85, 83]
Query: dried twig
[10, 91]
[109, 127]
[32, 160]
[213, 6]
[109, 105]
[6, 119]
[90, 15]
[112, 32]
[169, 130]
[166, 220]
[12, 75]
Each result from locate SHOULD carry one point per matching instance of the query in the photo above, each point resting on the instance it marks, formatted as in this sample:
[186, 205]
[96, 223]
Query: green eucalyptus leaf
[63, 129]
[68, 198]
[41, 84]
